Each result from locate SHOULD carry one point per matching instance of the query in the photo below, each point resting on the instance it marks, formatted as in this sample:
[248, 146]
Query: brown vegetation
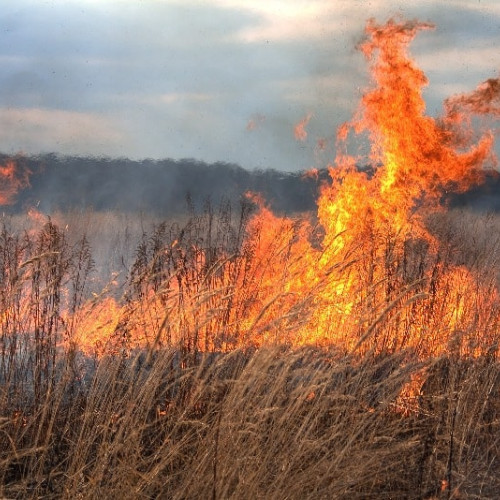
[173, 421]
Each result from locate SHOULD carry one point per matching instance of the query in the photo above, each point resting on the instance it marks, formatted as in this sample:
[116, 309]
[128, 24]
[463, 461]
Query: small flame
[321, 143]
[485, 100]
[13, 177]
[311, 173]
[300, 129]
[36, 216]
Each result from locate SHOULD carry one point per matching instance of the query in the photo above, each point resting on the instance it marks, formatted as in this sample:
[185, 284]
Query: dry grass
[267, 424]
[275, 422]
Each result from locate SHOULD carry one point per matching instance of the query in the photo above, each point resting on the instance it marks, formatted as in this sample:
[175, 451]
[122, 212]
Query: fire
[299, 130]
[349, 283]
[370, 222]
[13, 177]
[420, 158]
[311, 173]
[94, 326]
[482, 101]
[365, 274]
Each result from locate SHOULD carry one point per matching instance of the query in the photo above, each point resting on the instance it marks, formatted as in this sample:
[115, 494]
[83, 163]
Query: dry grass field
[168, 418]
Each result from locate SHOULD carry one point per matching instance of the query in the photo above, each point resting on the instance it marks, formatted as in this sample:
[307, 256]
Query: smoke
[484, 100]
[65, 183]
[255, 121]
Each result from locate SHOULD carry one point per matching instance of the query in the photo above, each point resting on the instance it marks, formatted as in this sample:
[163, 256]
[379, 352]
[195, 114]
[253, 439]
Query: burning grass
[202, 414]
[246, 355]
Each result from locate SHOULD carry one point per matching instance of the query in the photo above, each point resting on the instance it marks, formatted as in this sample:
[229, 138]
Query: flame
[95, 325]
[299, 130]
[485, 100]
[321, 143]
[36, 217]
[369, 275]
[370, 222]
[311, 173]
[13, 177]
[420, 158]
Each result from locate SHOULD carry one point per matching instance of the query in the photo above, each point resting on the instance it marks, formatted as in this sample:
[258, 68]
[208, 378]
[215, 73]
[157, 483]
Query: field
[235, 353]
[275, 420]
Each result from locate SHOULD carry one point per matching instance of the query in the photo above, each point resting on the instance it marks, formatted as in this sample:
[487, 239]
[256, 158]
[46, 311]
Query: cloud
[460, 65]
[182, 77]
[282, 19]
[176, 97]
[285, 20]
[35, 130]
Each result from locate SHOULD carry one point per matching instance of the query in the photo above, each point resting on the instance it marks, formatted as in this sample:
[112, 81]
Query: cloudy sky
[215, 80]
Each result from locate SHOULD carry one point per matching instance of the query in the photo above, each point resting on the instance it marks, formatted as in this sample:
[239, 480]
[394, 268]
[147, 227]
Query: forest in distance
[171, 187]
[161, 187]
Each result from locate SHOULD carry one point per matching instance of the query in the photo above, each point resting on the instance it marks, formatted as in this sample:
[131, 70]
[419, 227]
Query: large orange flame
[419, 157]
[369, 275]
[371, 221]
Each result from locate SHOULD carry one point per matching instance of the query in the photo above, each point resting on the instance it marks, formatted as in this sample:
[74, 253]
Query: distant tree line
[482, 198]
[155, 186]
[169, 187]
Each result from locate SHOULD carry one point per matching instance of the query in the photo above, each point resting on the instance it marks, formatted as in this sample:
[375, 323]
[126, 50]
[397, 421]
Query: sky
[215, 80]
